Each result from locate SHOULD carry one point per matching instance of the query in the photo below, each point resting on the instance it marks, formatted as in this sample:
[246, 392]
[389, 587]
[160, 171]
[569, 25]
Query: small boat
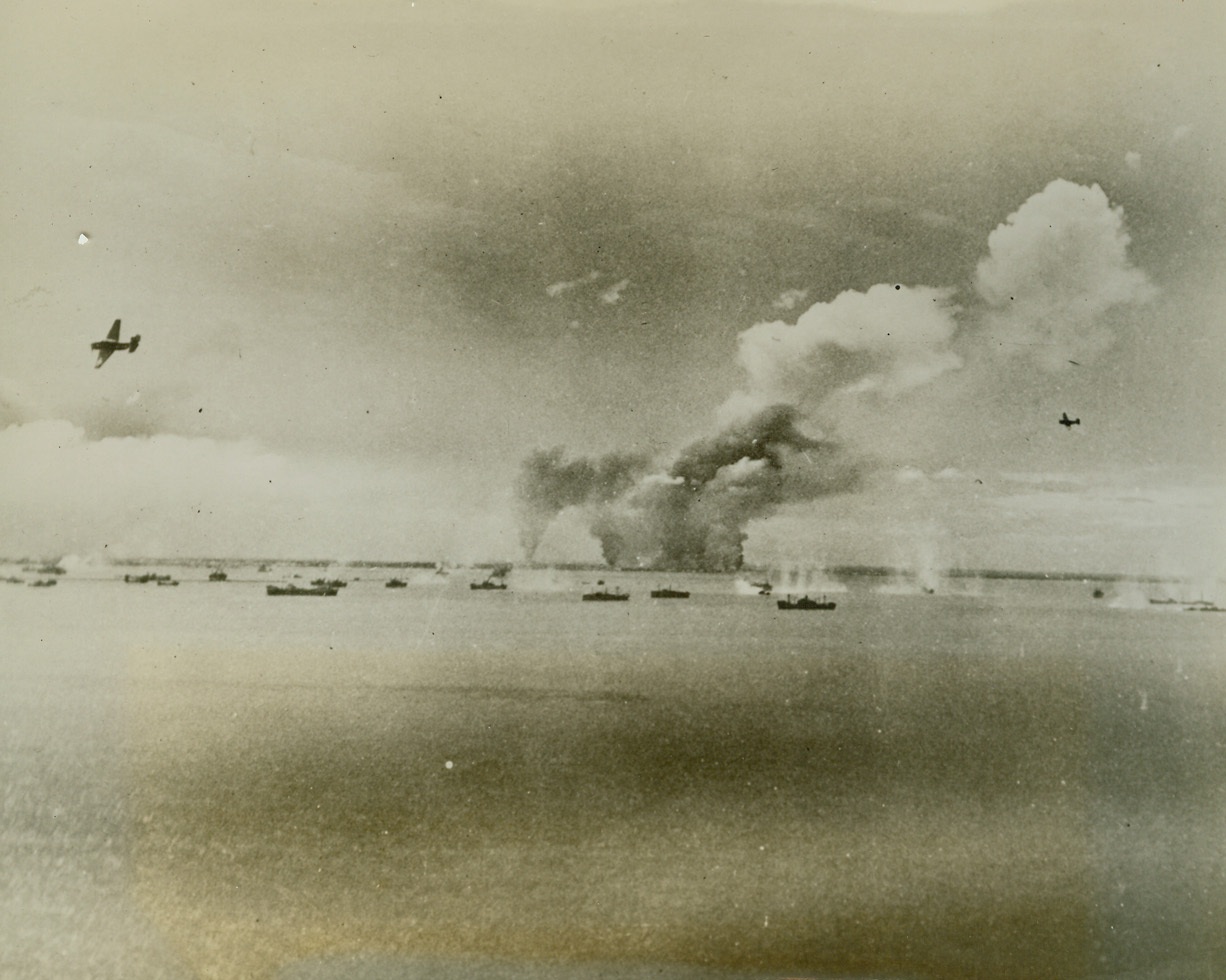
[395, 583]
[496, 579]
[764, 588]
[1098, 593]
[669, 594]
[217, 575]
[1189, 605]
[804, 602]
[604, 595]
[299, 590]
[43, 583]
[141, 579]
[167, 581]
[329, 583]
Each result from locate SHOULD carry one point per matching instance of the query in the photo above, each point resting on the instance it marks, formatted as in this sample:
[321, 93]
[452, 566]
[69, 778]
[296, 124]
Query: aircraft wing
[114, 334]
[103, 355]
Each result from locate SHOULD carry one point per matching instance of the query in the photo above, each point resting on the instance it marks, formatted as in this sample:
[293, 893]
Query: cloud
[789, 298]
[554, 290]
[884, 341]
[869, 367]
[169, 494]
[142, 491]
[20, 401]
[1122, 520]
[1055, 268]
[910, 474]
[610, 295]
[614, 293]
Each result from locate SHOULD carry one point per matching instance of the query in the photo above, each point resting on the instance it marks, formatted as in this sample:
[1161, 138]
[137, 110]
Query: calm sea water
[1004, 779]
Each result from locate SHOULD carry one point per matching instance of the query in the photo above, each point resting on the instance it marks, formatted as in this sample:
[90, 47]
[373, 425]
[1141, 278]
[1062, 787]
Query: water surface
[1008, 779]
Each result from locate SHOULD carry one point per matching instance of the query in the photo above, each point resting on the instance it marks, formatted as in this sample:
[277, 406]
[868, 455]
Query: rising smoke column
[549, 483]
[693, 515]
[1055, 272]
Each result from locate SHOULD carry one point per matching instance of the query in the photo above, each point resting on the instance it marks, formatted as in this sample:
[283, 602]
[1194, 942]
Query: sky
[665, 283]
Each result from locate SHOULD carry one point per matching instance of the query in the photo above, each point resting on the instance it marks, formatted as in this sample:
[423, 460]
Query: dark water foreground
[213, 784]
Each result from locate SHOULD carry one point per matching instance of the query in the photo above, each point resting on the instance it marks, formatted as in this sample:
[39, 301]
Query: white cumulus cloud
[885, 341]
[1054, 269]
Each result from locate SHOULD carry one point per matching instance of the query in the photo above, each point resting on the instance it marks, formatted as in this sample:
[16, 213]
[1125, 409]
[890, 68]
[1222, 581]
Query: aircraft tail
[133, 343]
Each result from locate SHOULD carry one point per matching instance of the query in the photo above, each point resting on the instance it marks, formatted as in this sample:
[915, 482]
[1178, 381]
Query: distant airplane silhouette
[1067, 422]
[106, 348]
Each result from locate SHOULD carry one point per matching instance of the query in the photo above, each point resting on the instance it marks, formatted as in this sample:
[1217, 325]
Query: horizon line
[848, 570]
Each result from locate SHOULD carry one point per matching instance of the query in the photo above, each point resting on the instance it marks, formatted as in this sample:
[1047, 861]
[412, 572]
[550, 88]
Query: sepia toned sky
[380, 252]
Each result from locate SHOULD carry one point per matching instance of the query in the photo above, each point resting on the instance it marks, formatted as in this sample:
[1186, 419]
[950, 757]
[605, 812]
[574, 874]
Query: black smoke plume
[549, 483]
[691, 516]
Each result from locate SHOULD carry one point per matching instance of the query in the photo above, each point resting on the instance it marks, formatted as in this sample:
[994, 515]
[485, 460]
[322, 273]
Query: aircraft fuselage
[111, 343]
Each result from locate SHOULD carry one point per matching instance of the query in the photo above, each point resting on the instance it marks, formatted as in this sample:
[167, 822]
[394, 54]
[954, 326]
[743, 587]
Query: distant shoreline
[835, 571]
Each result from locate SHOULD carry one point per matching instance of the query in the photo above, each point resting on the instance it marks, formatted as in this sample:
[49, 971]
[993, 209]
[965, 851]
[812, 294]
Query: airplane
[106, 348]
[1067, 422]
